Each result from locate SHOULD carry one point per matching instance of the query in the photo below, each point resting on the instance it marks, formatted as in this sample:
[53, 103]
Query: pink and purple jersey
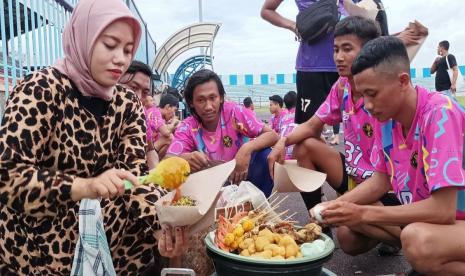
[236, 125]
[275, 121]
[358, 128]
[287, 125]
[154, 121]
[430, 157]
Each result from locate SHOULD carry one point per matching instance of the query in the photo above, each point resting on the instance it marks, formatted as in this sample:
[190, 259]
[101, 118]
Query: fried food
[248, 235]
[184, 201]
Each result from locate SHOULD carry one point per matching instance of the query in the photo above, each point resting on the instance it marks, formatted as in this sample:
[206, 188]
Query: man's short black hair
[386, 54]
[173, 91]
[444, 44]
[364, 29]
[247, 102]
[138, 66]
[200, 77]
[277, 99]
[169, 100]
[290, 99]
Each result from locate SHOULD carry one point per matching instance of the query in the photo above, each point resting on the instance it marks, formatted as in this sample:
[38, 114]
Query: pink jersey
[287, 125]
[275, 121]
[154, 121]
[358, 128]
[236, 125]
[430, 157]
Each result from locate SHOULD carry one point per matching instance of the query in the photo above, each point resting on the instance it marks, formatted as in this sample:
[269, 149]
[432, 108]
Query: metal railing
[31, 38]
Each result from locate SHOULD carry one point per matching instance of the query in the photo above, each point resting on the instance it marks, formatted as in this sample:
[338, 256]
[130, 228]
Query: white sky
[247, 44]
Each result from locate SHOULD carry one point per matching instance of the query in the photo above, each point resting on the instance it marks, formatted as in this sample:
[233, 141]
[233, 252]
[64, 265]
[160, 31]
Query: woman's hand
[173, 241]
[242, 165]
[109, 184]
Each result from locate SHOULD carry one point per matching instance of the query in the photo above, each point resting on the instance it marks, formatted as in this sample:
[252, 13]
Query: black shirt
[96, 106]
[443, 81]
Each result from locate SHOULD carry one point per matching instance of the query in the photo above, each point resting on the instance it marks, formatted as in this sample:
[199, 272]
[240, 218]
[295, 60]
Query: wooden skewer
[266, 201]
[268, 211]
[284, 198]
[272, 194]
[278, 216]
[273, 207]
[274, 200]
[293, 214]
[291, 221]
[282, 213]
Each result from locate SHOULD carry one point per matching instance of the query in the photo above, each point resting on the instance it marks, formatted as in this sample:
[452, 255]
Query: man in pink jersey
[343, 104]
[419, 153]
[277, 112]
[287, 124]
[221, 131]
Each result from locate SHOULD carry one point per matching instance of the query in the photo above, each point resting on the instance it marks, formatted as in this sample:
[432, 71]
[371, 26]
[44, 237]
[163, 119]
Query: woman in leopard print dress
[69, 132]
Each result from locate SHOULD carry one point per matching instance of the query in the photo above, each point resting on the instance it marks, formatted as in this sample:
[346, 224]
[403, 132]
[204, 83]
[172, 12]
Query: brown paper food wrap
[203, 187]
[289, 177]
[413, 37]
[366, 8]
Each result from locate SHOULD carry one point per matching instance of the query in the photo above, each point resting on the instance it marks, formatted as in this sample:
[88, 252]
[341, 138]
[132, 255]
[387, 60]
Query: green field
[461, 100]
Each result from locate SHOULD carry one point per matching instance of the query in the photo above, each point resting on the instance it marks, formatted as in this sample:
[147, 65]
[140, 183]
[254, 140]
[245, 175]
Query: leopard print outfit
[47, 140]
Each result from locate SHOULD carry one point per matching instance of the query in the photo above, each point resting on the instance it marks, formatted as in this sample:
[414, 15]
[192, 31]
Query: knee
[418, 246]
[305, 148]
[348, 242]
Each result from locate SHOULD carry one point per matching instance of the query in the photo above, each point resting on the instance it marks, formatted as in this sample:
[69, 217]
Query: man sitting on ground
[248, 103]
[220, 131]
[288, 124]
[138, 78]
[419, 153]
[168, 107]
[277, 112]
[343, 104]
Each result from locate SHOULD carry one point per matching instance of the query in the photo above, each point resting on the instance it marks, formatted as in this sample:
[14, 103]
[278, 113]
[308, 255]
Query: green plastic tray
[209, 241]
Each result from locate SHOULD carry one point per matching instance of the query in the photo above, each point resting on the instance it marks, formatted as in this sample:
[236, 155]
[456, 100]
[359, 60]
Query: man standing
[316, 71]
[440, 66]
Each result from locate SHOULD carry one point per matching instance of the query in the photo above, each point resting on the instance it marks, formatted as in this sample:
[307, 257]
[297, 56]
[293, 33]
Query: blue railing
[31, 38]
[147, 47]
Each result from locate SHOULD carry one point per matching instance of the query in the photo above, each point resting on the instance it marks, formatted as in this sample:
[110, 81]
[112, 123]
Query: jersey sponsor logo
[368, 130]
[414, 160]
[227, 141]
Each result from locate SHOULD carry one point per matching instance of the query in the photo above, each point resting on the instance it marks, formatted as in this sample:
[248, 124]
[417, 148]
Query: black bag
[317, 20]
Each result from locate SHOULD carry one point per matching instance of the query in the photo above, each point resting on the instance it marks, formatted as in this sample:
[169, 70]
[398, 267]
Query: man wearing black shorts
[316, 71]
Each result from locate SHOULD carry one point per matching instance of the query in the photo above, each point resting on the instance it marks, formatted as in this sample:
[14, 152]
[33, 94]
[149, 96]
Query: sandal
[388, 250]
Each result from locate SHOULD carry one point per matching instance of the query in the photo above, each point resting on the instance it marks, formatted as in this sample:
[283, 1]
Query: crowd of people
[81, 127]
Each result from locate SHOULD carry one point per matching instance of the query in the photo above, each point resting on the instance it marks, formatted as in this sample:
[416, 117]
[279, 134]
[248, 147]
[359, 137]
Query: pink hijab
[89, 19]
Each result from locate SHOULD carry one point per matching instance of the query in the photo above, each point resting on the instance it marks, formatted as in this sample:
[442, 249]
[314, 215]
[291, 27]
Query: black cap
[278, 99]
